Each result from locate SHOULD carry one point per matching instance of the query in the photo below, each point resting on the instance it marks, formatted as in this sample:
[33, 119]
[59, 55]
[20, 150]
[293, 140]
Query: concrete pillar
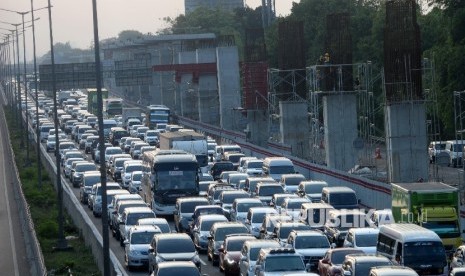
[340, 124]
[167, 86]
[257, 127]
[208, 103]
[228, 84]
[294, 128]
[187, 88]
[406, 142]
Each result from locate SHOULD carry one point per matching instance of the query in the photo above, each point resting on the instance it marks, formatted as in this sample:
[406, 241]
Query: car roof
[364, 230]
[364, 258]
[210, 217]
[170, 264]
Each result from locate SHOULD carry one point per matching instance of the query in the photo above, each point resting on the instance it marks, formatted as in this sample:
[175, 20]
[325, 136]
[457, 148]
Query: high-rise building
[225, 5]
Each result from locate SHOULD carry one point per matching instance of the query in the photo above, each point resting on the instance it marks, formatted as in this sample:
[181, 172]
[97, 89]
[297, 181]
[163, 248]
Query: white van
[455, 150]
[275, 167]
[413, 246]
[339, 197]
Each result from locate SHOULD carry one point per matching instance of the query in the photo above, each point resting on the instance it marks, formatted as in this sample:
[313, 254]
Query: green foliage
[129, 35]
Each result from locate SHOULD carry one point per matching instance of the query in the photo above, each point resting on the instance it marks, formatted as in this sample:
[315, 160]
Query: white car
[135, 182]
[364, 239]
[137, 245]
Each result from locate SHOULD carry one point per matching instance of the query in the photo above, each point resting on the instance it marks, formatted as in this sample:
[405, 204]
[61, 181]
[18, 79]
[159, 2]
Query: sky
[72, 19]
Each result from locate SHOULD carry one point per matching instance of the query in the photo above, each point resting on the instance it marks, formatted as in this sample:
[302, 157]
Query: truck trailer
[432, 205]
[189, 141]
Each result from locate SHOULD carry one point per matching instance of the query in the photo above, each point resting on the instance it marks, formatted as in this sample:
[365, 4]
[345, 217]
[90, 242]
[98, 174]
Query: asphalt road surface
[13, 257]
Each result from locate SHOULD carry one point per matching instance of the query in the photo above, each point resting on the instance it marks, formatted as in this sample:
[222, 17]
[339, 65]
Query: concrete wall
[228, 84]
[294, 127]
[406, 142]
[208, 103]
[257, 126]
[340, 125]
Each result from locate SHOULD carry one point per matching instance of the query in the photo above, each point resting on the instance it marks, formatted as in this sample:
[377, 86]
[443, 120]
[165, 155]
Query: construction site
[336, 112]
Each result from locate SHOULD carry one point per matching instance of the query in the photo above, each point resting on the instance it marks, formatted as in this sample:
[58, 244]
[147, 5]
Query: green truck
[433, 205]
[92, 99]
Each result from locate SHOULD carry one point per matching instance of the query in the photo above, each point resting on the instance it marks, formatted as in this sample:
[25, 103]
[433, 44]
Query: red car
[331, 263]
[230, 253]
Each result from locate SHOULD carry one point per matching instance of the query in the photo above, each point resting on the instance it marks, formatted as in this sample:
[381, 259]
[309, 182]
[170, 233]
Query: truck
[157, 114]
[63, 96]
[432, 205]
[113, 107]
[189, 141]
[92, 106]
[130, 113]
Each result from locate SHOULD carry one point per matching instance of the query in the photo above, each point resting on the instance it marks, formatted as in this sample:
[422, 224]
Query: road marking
[202, 262]
[12, 240]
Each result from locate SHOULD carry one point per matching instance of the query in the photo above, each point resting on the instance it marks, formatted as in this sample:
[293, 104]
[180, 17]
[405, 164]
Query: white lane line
[202, 262]
[12, 240]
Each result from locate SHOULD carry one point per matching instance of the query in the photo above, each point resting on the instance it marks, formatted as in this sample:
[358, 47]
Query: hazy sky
[72, 19]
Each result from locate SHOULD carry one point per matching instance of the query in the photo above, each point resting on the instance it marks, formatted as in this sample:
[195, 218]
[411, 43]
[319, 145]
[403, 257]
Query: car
[279, 260]
[458, 259]
[364, 239]
[278, 199]
[360, 264]
[172, 247]
[241, 206]
[97, 190]
[204, 210]
[311, 189]
[68, 164]
[265, 191]
[340, 221]
[253, 167]
[136, 246]
[183, 211]
[129, 167]
[283, 228]
[97, 205]
[201, 230]
[130, 218]
[269, 223]
[458, 271]
[77, 171]
[176, 268]
[311, 244]
[395, 270]
[88, 180]
[116, 207]
[330, 264]
[293, 206]
[249, 254]
[255, 217]
[434, 148]
[227, 198]
[230, 253]
[218, 233]
[135, 182]
[219, 167]
[290, 182]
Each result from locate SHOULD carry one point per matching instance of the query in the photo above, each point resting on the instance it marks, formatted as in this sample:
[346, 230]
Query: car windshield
[113, 151]
[235, 158]
[229, 198]
[207, 224]
[203, 187]
[314, 189]
[285, 263]
[255, 165]
[133, 218]
[189, 206]
[164, 227]
[294, 181]
[337, 257]
[221, 233]
[86, 167]
[423, 250]
[245, 206]
[281, 169]
[175, 245]
[440, 146]
[142, 237]
[270, 190]
[120, 162]
[303, 242]
[343, 199]
[295, 204]
[137, 177]
[235, 245]
[90, 180]
[284, 231]
[258, 217]
[366, 240]
[133, 168]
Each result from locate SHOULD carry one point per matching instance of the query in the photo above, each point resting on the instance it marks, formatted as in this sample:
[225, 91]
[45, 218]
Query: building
[226, 5]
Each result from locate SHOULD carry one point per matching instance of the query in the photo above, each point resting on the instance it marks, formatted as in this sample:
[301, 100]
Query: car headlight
[230, 261]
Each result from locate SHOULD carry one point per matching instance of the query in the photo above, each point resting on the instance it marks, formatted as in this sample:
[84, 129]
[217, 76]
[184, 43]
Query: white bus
[413, 246]
[167, 176]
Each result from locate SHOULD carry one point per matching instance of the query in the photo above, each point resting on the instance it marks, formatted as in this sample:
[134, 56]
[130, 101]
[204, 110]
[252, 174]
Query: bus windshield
[415, 252]
[176, 180]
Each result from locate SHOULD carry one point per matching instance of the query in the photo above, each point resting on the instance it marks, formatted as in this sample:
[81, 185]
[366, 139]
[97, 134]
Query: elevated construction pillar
[208, 104]
[340, 126]
[257, 127]
[293, 124]
[188, 88]
[228, 84]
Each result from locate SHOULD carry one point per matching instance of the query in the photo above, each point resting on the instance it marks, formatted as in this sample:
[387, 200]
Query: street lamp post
[62, 243]
[27, 163]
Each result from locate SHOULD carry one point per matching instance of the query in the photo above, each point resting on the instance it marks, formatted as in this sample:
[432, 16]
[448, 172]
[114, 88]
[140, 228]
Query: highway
[13, 256]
